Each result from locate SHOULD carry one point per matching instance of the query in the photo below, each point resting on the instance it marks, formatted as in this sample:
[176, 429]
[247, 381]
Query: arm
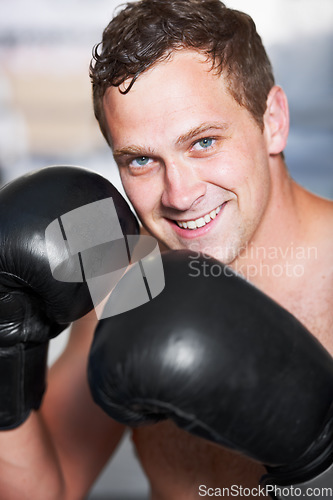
[61, 230]
[59, 451]
[84, 437]
[224, 362]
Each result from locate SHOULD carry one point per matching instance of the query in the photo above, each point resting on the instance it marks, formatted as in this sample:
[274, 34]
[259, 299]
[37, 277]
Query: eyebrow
[135, 150]
[204, 127]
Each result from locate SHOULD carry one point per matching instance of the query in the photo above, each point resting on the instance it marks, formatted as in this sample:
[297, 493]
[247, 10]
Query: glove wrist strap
[319, 486]
[22, 382]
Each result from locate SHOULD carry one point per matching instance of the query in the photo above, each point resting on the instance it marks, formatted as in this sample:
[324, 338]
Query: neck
[280, 232]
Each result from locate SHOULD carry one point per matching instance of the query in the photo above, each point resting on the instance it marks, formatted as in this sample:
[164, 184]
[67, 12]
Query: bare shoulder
[315, 215]
[313, 298]
[320, 217]
[320, 233]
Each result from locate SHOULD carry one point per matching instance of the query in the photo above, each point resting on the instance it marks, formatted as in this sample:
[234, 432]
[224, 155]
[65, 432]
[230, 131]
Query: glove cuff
[22, 382]
[321, 483]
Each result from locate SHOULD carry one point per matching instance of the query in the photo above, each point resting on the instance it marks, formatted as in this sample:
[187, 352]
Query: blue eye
[206, 142]
[141, 161]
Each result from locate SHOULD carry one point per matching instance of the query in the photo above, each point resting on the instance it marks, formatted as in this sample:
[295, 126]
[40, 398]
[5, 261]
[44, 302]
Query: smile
[202, 221]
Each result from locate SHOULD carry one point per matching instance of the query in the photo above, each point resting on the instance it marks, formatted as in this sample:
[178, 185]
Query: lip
[191, 234]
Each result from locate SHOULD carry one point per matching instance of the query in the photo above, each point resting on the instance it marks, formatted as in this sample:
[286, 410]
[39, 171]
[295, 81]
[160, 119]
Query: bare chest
[177, 463]
[310, 299]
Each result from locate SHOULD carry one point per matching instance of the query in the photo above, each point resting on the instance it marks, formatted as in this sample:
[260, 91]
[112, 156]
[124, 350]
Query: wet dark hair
[149, 31]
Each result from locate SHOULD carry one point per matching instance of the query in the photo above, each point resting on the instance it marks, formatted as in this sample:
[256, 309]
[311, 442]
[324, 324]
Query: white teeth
[202, 221]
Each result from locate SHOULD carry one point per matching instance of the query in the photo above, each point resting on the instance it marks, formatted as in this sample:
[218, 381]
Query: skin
[184, 178]
[191, 169]
[175, 168]
[184, 146]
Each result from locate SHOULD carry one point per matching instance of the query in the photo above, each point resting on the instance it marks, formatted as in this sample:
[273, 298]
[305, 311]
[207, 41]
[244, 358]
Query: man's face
[193, 163]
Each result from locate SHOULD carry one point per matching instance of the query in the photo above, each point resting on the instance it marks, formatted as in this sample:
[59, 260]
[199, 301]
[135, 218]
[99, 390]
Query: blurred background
[46, 112]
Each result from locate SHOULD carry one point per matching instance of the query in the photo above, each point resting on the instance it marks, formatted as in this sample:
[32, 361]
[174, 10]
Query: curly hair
[148, 31]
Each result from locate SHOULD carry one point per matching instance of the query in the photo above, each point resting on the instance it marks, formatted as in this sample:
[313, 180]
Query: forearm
[83, 436]
[53, 443]
[29, 466]
[58, 452]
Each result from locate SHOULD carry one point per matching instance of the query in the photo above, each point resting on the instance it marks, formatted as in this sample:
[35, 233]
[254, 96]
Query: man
[185, 96]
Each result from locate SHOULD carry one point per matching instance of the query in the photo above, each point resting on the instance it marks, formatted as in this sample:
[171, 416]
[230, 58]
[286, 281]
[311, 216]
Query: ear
[276, 120]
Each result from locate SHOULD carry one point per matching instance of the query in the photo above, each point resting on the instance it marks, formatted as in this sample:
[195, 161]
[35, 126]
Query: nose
[182, 187]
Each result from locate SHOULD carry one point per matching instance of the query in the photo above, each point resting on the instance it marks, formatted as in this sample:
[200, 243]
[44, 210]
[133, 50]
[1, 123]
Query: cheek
[254, 193]
[141, 195]
[247, 168]
[233, 173]
[243, 171]
[242, 161]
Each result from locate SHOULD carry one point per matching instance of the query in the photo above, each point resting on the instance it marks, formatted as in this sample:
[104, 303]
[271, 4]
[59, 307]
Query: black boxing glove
[224, 362]
[43, 282]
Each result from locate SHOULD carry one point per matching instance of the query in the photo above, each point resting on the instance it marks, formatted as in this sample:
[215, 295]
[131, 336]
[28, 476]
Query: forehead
[171, 96]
